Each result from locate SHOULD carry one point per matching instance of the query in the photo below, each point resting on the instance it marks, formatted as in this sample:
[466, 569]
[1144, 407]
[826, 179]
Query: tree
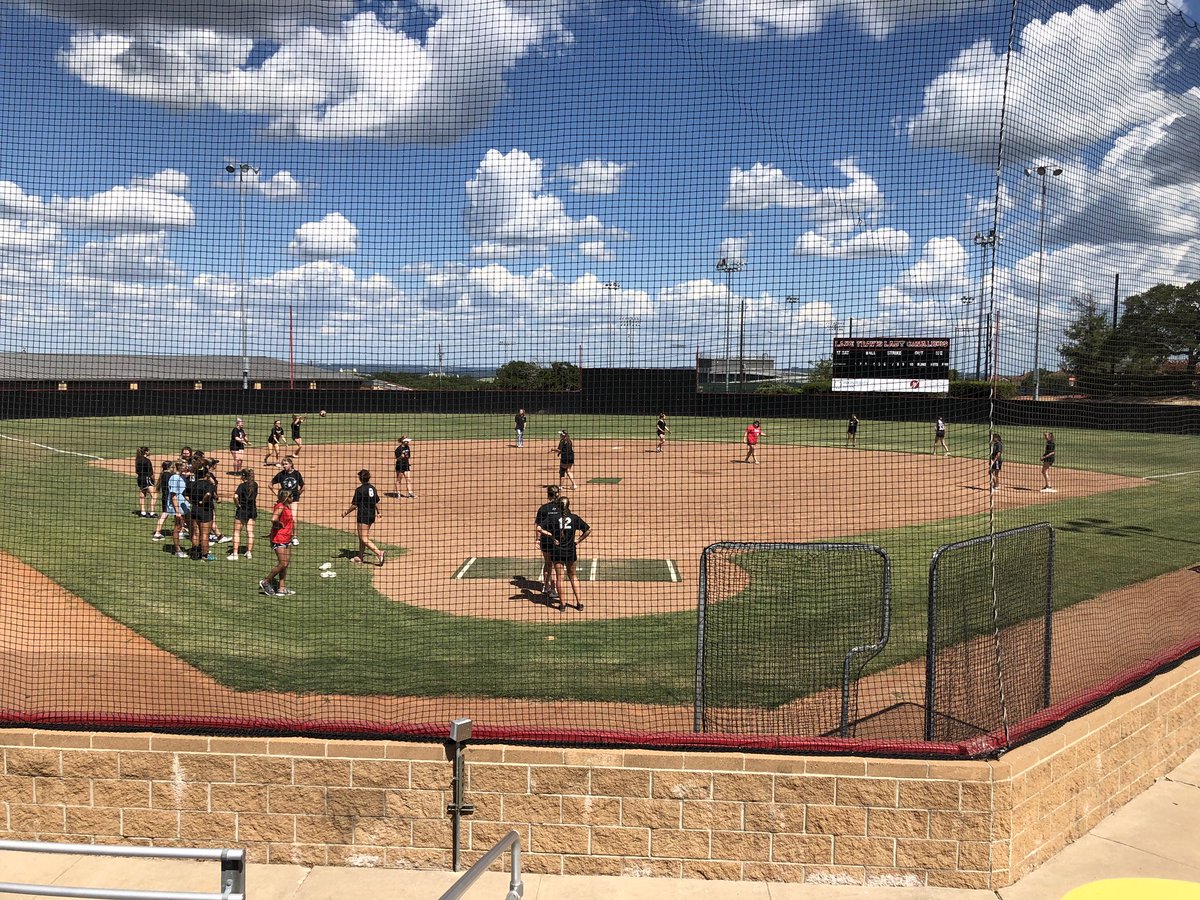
[820, 376]
[559, 376]
[1160, 323]
[1090, 350]
[517, 375]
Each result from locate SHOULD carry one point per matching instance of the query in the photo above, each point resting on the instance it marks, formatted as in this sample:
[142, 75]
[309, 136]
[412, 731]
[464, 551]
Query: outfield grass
[351, 640]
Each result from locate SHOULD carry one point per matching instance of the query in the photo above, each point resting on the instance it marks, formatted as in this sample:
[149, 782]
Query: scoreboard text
[892, 364]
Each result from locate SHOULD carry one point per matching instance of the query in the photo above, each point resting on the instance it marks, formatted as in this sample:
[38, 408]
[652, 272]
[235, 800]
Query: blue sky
[525, 178]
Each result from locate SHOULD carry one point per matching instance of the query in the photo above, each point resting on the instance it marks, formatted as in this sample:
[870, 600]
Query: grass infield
[71, 521]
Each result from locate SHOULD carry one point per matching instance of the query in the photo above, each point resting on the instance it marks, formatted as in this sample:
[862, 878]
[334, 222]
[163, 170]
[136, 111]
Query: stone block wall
[831, 820]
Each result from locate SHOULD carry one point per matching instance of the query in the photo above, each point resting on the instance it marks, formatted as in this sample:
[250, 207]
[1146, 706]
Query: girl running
[275, 440]
[567, 532]
[297, 421]
[282, 522]
[365, 504]
[144, 470]
[403, 468]
[566, 458]
[244, 513]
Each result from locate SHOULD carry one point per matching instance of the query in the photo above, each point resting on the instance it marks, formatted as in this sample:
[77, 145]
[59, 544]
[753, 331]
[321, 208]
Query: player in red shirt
[282, 525]
[753, 432]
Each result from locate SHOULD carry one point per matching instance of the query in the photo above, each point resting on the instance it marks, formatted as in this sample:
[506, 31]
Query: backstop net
[989, 652]
[784, 633]
[751, 276]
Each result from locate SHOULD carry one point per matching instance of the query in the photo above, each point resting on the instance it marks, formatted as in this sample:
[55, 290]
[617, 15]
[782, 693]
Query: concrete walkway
[1156, 836]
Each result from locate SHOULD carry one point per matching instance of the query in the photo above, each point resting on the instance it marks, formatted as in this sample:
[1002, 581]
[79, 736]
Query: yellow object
[1136, 889]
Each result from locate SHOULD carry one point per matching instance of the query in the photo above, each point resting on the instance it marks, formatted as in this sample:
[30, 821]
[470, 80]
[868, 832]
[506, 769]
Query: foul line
[463, 568]
[9, 437]
[1174, 474]
[592, 571]
[671, 570]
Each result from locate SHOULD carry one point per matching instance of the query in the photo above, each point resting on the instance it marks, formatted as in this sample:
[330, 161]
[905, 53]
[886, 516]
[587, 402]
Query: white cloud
[597, 250]
[941, 270]
[147, 204]
[1063, 90]
[281, 186]
[733, 249]
[508, 212]
[593, 176]
[763, 186]
[334, 235]
[791, 18]
[134, 257]
[28, 237]
[863, 245]
[363, 77]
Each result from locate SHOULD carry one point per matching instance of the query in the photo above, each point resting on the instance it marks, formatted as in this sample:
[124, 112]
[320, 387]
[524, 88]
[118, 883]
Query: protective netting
[892, 275]
[785, 631]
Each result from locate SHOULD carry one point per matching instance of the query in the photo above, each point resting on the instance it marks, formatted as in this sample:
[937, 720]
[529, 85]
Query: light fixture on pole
[983, 242]
[729, 266]
[242, 169]
[1045, 173]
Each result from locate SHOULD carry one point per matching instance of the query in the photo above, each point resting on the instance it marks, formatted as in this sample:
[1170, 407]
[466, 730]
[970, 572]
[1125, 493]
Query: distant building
[715, 368]
[108, 372]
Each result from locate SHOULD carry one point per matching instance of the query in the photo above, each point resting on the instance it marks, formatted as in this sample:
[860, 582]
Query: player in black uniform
[546, 543]
[566, 458]
[164, 498]
[204, 500]
[143, 468]
[1048, 462]
[567, 530]
[520, 420]
[289, 479]
[852, 431]
[244, 513]
[662, 430]
[403, 468]
[365, 503]
[275, 440]
[238, 442]
[297, 421]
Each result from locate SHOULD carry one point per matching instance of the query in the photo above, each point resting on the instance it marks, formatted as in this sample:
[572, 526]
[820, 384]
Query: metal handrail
[233, 871]
[516, 889]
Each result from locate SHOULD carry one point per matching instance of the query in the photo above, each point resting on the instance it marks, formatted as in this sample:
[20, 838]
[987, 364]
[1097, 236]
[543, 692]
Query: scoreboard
[913, 365]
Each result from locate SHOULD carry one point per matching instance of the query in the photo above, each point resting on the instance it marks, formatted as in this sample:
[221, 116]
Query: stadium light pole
[792, 301]
[983, 242]
[729, 266]
[612, 285]
[1045, 173]
[241, 169]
